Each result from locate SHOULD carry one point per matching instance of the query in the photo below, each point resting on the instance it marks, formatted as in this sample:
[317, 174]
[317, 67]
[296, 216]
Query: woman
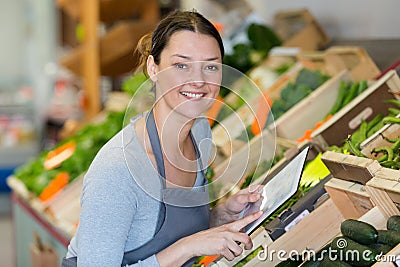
[160, 156]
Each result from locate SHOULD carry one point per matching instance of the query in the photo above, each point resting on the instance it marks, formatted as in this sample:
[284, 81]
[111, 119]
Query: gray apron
[174, 222]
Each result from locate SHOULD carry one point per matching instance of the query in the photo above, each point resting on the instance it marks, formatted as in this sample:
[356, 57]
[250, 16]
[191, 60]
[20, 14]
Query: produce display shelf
[29, 223]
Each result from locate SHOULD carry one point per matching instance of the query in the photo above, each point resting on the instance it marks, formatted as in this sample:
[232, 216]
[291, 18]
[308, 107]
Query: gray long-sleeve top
[119, 209]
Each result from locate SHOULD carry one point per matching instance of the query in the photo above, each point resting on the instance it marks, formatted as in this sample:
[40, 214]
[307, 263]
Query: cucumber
[393, 223]
[380, 248]
[311, 263]
[352, 252]
[388, 237]
[289, 263]
[359, 231]
[326, 262]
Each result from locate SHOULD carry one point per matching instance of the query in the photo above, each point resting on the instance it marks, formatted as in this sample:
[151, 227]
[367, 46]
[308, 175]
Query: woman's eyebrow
[189, 58]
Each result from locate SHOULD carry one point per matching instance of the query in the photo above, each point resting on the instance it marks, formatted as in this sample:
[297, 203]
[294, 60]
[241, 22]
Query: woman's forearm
[176, 254]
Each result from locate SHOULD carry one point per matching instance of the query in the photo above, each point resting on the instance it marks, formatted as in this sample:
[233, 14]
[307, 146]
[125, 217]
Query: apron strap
[156, 147]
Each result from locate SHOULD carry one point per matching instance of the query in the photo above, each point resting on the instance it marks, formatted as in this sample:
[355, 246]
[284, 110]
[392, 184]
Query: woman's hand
[230, 209]
[223, 240]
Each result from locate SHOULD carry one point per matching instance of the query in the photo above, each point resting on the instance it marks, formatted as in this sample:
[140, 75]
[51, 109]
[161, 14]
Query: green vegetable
[326, 262]
[393, 223]
[362, 86]
[390, 119]
[290, 262]
[343, 87]
[351, 94]
[345, 246]
[262, 38]
[393, 101]
[361, 232]
[354, 148]
[380, 248]
[313, 79]
[247, 55]
[372, 123]
[390, 164]
[88, 141]
[394, 111]
[388, 150]
[388, 237]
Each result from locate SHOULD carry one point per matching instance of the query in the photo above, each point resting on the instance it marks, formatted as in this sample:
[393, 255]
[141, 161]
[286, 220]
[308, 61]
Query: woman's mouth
[192, 95]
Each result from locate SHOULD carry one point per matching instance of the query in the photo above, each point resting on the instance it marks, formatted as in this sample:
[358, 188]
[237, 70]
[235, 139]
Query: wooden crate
[335, 59]
[391, 131]
[384, 190]
[313, 232]
[364, 107]
[349, 167]
[299, 28]
[62, 210]
[312, 109]
[318, 229]
[350, 198]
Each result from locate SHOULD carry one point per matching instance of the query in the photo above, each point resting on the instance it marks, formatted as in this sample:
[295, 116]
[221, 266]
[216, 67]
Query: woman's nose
[197, 79]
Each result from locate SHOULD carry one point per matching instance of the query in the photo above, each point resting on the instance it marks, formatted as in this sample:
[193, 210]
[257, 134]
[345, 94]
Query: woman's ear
[152, 68]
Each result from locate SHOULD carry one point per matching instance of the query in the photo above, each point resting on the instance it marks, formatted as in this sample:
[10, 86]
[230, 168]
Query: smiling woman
[145, 198]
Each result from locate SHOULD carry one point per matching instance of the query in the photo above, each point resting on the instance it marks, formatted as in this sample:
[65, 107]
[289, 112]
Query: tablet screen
[277, 191]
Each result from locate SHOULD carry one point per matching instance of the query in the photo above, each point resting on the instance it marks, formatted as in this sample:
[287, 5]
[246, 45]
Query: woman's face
[189, 75]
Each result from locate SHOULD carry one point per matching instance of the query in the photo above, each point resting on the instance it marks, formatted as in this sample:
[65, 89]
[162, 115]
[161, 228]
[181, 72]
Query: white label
[363, 115]
[297, 220]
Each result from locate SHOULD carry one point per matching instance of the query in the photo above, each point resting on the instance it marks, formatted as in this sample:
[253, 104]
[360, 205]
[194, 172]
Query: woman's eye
[180, 66]
[212, 67]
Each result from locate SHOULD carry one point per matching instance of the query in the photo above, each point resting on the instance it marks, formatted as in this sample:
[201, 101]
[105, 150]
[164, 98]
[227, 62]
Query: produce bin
[365, 107]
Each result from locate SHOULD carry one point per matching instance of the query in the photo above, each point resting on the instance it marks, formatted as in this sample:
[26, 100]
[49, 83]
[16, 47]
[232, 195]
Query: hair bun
[144, 45]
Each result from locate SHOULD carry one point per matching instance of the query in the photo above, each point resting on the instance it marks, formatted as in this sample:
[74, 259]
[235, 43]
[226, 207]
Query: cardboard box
[299, 28]
[42, 255]
[364, 107]
[117, 49]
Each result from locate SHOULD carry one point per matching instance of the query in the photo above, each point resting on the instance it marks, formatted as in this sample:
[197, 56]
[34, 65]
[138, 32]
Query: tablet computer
[280, 188]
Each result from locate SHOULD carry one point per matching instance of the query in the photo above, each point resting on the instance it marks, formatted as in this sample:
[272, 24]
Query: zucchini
[289, 263]
[393, 223]
[311, 263]
[359, 231]
[388, 237]
[352, 252]
[380, 248]
[326, 262]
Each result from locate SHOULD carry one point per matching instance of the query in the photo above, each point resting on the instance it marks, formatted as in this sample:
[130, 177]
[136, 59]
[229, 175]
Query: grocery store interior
[328, 71]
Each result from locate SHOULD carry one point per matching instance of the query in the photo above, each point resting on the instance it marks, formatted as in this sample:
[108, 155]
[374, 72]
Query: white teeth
[192, 95]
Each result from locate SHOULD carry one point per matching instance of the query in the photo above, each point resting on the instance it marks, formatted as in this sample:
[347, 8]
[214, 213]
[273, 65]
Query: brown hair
[154, 43]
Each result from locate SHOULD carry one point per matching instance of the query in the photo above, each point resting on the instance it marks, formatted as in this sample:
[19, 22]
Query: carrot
[57, 156]
[308, 133]
[58, 183]
[212, 113]
[208, 259]
[261, 115]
